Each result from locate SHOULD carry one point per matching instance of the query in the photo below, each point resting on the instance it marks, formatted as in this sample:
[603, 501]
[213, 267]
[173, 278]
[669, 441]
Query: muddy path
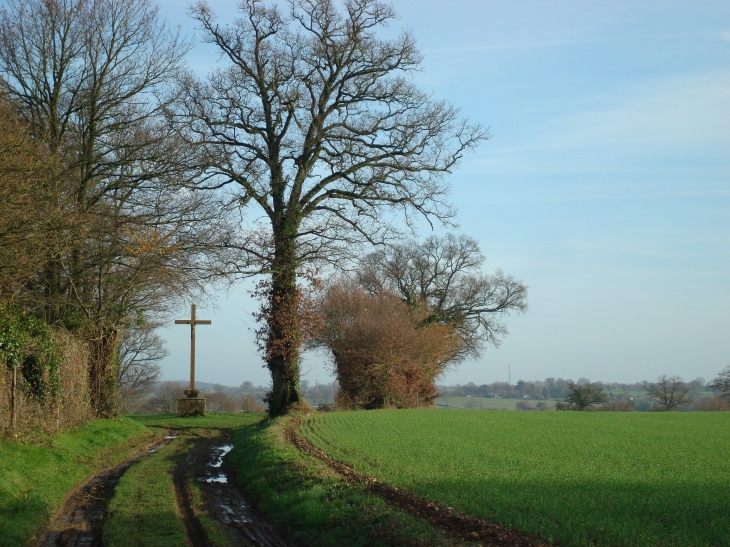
[463, 526]
[242, 524]
[77, 523]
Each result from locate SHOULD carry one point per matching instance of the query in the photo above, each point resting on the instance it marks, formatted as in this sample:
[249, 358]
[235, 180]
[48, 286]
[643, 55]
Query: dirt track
[226, 503]
[77, 523]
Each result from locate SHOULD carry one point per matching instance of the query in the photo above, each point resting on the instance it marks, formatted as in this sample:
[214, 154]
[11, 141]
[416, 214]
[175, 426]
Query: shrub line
[466, 527]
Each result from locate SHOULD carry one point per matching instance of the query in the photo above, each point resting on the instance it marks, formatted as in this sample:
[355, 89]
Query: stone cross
[192, 322]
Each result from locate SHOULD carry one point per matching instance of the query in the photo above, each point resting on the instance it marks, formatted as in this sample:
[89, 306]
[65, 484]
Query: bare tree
[721, 384]
[670, 393]
[582, 396]
[443, 276]
[140, 352]
[315, 121]
[220, 402]
[166, 395]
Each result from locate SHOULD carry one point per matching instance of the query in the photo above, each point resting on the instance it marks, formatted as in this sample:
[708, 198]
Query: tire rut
[77, 523]
[461, 525]
[225, 502]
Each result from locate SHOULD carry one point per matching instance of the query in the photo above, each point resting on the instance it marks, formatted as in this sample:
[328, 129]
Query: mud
[459, 525]
[228, 504]
[78, 522]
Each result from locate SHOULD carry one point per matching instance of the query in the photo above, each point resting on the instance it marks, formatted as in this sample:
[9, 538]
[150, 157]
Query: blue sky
[605, 187]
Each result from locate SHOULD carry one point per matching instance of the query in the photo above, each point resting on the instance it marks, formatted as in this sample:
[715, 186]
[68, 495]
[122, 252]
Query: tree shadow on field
[582, 513]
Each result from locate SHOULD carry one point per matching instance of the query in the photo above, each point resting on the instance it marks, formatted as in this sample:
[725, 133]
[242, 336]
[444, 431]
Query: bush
[715, 404]
[618, 406]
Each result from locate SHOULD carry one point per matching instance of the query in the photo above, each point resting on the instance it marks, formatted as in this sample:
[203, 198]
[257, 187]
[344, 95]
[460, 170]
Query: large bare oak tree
[315, 120]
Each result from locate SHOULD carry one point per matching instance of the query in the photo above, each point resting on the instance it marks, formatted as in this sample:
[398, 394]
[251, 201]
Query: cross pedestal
[192, 405]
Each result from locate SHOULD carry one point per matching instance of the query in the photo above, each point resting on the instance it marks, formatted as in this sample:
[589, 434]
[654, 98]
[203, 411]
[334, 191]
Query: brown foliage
[618, 406]
[31, 221]
[381, 356]
[714, 404]
[219, 402]
[248, 403]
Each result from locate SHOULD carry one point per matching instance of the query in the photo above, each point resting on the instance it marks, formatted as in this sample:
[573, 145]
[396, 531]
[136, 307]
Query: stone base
[191, 407]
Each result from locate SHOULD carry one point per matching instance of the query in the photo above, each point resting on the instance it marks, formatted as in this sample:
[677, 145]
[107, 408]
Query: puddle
[213, 472]
[229, 505]
[171, 437]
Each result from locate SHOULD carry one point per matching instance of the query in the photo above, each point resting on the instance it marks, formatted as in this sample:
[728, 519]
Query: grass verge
[578, 479]
[35, 478]
[301, 495]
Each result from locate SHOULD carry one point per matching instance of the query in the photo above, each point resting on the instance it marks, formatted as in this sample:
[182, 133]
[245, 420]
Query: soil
[226, 503]
[77, 523]
[460, 525]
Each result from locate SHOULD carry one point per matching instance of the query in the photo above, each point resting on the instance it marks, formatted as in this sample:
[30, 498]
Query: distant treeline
[549, 388]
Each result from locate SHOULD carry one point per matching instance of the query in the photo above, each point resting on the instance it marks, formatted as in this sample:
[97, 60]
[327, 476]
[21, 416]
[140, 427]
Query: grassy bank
[574, 478]
[300, 494]
[35, 478]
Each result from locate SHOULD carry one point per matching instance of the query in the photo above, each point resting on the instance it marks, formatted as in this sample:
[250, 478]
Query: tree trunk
[13, 383]
[284, 331]
[103, 371]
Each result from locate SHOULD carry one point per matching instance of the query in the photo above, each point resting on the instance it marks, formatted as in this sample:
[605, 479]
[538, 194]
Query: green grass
[211, 421]
[34, 479]
[143, 510]
[300, 494]
[574, 478]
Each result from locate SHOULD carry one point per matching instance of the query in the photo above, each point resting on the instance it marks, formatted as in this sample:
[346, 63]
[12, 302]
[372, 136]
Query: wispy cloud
[648, 126]
[511, 45]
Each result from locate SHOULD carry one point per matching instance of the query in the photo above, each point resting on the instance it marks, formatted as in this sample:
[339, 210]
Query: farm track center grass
[35, 477]
[143, 510]
[573, 478]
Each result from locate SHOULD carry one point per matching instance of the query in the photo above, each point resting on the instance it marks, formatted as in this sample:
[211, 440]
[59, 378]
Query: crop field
[573, 478]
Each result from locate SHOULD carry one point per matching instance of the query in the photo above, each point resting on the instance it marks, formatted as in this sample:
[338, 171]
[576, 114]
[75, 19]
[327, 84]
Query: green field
[573, 478]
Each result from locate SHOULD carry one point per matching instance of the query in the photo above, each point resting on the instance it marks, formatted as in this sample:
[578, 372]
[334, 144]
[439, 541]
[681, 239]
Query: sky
[605, 187]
